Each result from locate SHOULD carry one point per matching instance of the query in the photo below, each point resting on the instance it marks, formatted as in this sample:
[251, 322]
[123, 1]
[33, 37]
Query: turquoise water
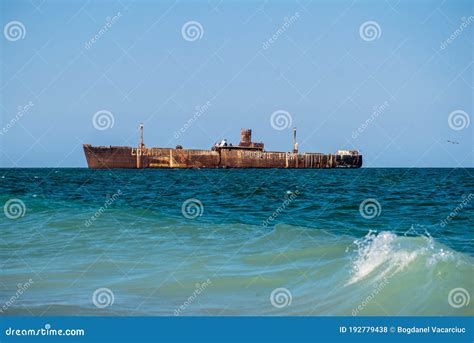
[237, 242]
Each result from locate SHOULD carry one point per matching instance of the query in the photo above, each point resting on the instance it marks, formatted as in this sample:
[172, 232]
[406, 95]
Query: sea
[232, 242]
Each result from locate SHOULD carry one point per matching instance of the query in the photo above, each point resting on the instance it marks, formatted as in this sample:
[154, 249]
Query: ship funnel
[245, 137]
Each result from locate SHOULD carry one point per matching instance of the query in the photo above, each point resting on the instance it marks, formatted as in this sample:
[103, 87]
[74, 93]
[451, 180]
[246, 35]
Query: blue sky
[311, 59]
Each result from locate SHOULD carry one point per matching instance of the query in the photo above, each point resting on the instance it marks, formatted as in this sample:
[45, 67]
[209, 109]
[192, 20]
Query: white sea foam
[377, 251]
[440, 256]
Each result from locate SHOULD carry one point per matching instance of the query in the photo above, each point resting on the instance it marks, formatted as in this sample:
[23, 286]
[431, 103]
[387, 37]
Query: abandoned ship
[247, 154]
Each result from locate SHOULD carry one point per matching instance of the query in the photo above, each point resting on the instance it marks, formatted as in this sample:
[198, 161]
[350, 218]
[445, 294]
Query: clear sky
[328, 64]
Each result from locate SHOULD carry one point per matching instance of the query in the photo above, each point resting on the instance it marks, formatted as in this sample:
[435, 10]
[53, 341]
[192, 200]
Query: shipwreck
[247, 154]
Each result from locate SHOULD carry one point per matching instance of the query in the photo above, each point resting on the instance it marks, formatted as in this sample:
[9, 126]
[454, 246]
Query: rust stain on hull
[246, 155]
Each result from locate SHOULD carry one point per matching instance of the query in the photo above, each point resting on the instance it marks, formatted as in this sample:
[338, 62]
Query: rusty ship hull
[245, 155]
[102, 157]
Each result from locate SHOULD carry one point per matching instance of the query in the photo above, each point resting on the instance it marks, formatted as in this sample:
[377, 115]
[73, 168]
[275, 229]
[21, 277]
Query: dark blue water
[201, 242]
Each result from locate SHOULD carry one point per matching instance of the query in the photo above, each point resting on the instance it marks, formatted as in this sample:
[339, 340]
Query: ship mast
[140, 150]
[295, 145]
